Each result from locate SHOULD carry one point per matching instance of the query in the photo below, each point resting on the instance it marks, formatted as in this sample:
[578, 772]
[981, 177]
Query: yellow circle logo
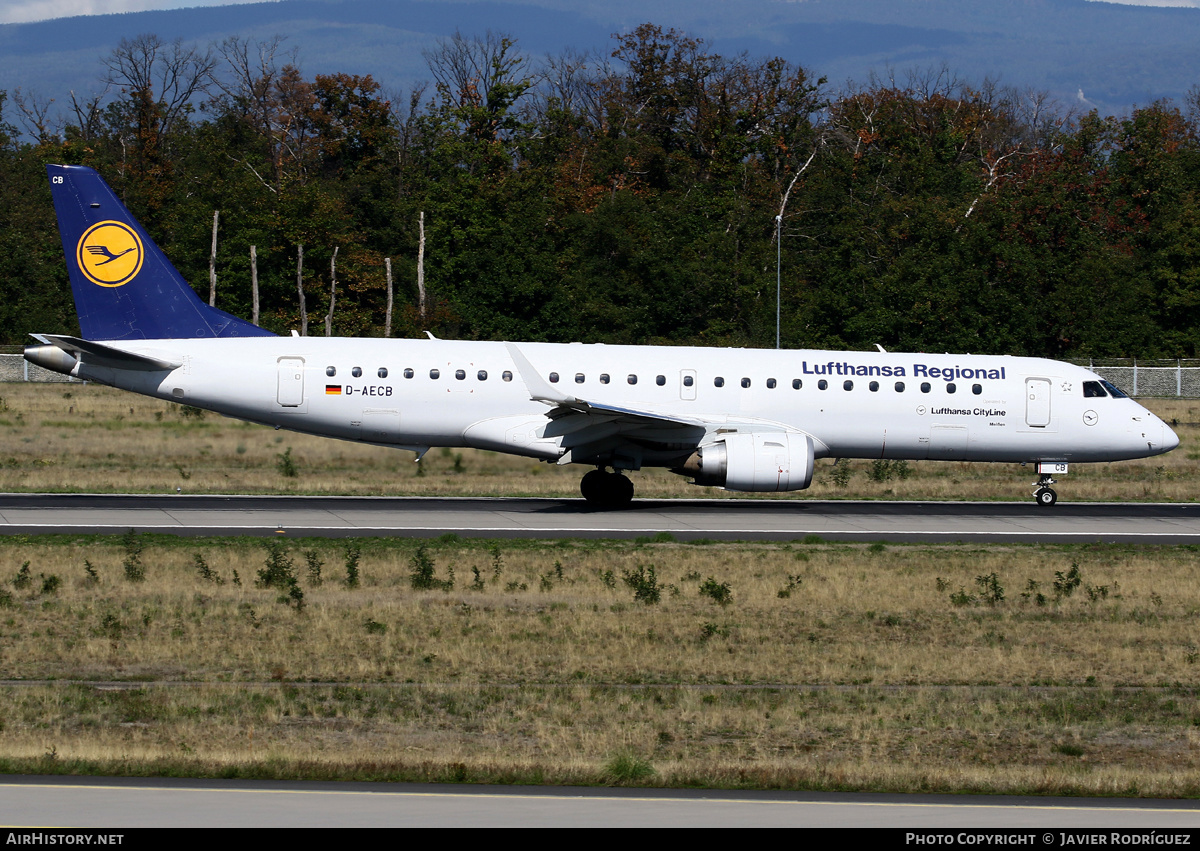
[109, 254]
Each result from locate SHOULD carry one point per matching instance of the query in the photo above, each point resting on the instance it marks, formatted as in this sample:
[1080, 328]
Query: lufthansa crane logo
[109, 254]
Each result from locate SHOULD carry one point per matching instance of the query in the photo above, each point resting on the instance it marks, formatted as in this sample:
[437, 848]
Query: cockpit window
[1114, 391]
[1093, 390]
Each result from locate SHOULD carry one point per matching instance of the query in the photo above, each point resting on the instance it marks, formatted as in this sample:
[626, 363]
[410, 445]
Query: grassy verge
[72, 438]
[1000, 668]
[909, 740]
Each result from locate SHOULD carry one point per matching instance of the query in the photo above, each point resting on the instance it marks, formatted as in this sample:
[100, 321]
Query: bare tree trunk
[300, 289]
[387, 322]
[254, 282]
[332, 292]
[783, 202]
[212, 264]
[421, 271]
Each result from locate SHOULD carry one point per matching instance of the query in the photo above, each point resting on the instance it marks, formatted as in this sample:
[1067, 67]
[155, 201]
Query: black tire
[593, 486]
[620, 490]
[606, 490]
[1046, 497]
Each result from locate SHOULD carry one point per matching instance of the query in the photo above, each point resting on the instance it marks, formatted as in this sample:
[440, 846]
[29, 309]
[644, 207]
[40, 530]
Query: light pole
[779, 231]
[778, 288]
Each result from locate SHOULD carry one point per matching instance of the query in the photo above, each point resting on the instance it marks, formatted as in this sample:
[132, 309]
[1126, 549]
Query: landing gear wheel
[1043, 494]
[606, 490]
[592, 486]
[621, 492]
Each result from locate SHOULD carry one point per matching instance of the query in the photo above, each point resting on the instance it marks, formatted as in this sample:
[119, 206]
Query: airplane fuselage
[421, 393]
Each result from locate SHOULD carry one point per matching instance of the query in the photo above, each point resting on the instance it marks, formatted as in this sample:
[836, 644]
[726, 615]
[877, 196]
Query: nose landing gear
[1043, 494]
[606, 490]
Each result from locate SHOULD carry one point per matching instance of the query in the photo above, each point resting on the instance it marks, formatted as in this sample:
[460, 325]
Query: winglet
[539, 389]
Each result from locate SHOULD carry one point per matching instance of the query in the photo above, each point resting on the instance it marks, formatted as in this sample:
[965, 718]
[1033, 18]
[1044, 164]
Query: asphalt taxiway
[712, 519]
[47, 802]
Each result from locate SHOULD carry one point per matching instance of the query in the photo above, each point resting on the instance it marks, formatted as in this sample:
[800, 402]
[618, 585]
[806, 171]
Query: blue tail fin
[124, 286]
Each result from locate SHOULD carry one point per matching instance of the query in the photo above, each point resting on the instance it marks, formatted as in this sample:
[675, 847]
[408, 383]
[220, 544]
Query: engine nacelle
[756, 462]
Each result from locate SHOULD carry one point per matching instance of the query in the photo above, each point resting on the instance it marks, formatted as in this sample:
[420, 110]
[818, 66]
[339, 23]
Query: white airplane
[742, 419]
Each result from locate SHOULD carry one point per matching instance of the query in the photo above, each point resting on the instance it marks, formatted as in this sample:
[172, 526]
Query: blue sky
[17, 11]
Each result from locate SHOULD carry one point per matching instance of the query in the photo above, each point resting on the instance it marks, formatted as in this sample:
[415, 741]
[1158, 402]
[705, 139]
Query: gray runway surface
[303, 516]
[46, 802]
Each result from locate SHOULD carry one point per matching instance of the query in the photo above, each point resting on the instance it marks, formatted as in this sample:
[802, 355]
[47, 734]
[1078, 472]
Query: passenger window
[382, 372]
[481, 375]
[976, 389]
[847, 385]
[873, 386]
[745, 382]
[718, 382]
[435, 374]
[506, 376]
[460, 374]
[554, 378]
[822, 384]
[899, 386]
[331, 371]
[604, 378]
[660, 380]
[356, 372]
[770, 383]
[950, 388]
[1093, 390]
[925, 388]
[579, 378]
[631, 378]
[797, 383]
[408, 373]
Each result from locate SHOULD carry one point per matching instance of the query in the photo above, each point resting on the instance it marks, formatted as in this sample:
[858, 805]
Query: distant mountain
[1117, 55]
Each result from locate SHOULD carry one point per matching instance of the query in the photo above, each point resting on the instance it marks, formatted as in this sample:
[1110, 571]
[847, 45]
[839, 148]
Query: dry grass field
[1002, 668]
[1019, 669]
[87, 438]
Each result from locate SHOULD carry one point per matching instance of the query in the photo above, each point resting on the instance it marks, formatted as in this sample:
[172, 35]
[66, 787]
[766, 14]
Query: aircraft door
[381, 425]
[948, 443]
[687, 385]
[1037, 402]
[291, 382]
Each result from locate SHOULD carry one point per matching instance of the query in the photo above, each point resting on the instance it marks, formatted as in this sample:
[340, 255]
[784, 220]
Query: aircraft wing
[587, 428]
[564, 405]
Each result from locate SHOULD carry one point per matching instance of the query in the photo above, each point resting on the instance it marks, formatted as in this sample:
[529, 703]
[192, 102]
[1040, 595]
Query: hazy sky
[16, 11]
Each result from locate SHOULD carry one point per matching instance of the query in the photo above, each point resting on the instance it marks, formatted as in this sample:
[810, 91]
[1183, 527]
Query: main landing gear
[606, 490]
[1043, 494]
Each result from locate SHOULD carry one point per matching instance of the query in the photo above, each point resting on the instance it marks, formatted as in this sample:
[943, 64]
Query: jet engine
[754, 462]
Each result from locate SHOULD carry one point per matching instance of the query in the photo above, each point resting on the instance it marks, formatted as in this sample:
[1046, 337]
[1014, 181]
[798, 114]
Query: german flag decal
[333, 390]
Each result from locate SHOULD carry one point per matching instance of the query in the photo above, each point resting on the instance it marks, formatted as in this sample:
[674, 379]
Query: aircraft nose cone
[1169, 439]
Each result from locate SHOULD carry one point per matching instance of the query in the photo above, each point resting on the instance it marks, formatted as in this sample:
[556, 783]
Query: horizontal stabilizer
[98, 354]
